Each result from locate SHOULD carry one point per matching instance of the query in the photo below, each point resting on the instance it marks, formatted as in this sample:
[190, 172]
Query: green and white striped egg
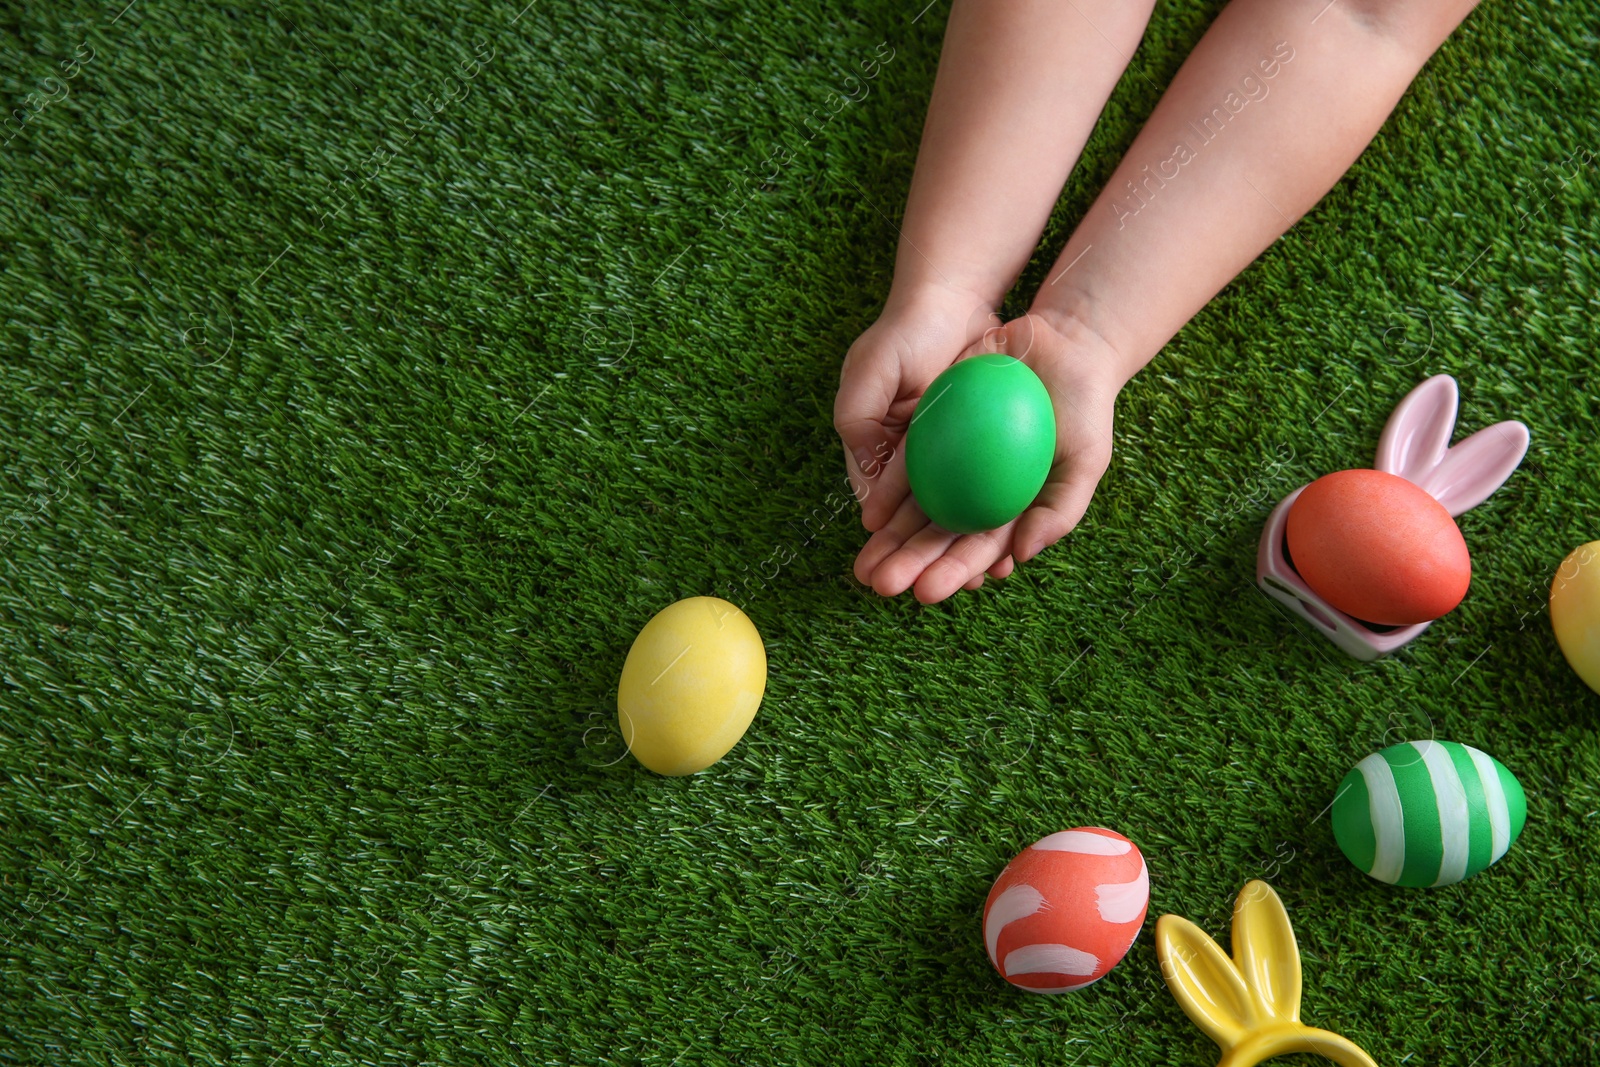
[1427, 813]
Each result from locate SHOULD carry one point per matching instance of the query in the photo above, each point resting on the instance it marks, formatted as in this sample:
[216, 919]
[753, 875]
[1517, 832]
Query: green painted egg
[981, 443]
[1427, 813]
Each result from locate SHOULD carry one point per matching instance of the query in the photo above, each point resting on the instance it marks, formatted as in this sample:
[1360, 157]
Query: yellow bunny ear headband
[1249, 1005]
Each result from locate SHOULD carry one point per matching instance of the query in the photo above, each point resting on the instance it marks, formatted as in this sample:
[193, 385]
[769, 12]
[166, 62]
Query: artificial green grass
[336, 487]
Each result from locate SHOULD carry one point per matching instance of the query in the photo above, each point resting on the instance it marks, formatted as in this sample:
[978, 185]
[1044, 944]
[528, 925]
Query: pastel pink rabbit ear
[1416, 446]
[1417, 435]
[1476, 467]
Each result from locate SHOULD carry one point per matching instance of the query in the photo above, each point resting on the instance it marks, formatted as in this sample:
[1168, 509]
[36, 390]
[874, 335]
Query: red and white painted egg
[1066, 910]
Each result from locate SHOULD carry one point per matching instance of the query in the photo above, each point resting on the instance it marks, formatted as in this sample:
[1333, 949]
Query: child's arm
[1020, 85]
[1222, 168]
[1163, 246]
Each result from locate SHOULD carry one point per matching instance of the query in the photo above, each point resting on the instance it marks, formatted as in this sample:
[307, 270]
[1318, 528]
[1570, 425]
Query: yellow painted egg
[1575, 611]
[692, 682]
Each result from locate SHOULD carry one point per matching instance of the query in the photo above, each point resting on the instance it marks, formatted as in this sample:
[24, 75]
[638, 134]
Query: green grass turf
[326, 539]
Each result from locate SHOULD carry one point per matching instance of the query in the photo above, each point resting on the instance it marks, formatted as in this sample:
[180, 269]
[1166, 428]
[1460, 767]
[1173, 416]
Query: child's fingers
[976, 583]
[886, 493]
[900, 570]
[1004, 568]
[889, 539]
[1059, 508]
[879, 483]
[968, 558]
[867, 450]
[868, 386]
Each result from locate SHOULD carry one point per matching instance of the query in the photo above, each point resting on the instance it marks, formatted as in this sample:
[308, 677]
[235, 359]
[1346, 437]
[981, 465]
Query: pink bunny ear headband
[1416, 446]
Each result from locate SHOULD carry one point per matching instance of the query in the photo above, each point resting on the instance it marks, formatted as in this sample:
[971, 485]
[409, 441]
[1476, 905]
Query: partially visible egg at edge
[1575, 611]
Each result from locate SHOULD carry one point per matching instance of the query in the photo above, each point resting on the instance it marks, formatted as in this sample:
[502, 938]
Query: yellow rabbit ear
[1205, 982]
[1265, 952]
[1250, 1005]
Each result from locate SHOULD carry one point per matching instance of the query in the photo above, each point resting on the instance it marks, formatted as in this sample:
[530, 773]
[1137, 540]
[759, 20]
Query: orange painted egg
[1066, 910]
[1378, 548]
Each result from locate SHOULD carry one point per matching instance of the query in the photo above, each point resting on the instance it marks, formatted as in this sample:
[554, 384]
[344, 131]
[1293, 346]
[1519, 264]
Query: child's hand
[1083, 374]
[884, 375]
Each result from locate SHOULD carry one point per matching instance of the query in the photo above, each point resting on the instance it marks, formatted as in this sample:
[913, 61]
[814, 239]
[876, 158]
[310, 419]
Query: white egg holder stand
[1415, 445]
